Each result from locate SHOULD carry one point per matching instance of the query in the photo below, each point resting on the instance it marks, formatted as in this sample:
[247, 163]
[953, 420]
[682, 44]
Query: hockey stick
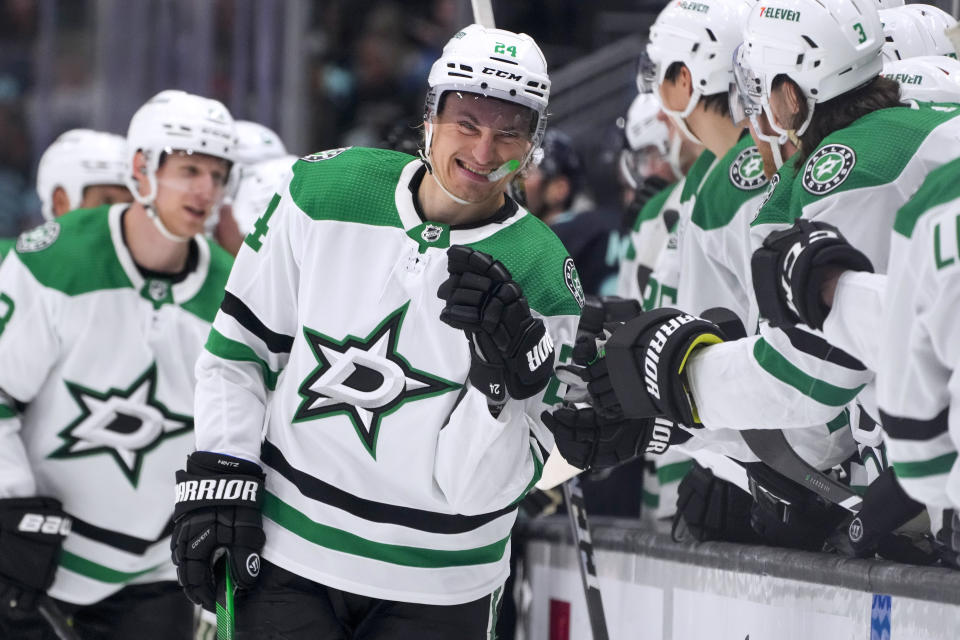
[483, 13]
[573, 494]
[772, 448]
[55, 618]
[225, 610]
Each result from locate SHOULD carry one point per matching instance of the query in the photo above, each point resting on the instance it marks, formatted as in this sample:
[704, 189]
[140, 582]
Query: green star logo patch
[125, 424]
[746, 170]
[365, 379]
[828, 168]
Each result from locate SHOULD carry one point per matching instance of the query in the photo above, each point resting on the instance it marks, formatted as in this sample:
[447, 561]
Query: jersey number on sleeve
[254, 239]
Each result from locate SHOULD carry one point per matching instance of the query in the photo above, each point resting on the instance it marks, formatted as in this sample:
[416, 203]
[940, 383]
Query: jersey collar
[182, 291]
[459, 234]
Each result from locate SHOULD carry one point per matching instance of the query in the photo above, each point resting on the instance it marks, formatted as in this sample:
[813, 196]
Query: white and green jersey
[714, 271]
[714, 248]
[647, 240]
[387, 476]
[96, 375]
[793, 377]
[920, 343]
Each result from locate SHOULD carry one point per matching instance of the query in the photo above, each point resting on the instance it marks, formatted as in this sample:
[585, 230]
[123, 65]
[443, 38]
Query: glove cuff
[212, 480]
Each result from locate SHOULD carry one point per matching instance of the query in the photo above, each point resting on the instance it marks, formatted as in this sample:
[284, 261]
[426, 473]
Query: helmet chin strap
[162, 228]
[673, 156]
[148, 204]
[680, 117]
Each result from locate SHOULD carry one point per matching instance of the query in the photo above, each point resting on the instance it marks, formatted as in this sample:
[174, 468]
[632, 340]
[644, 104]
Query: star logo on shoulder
[364, 379]
[125, 424]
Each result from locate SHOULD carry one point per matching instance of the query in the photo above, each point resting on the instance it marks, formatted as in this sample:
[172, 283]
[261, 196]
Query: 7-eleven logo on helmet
[776, 13]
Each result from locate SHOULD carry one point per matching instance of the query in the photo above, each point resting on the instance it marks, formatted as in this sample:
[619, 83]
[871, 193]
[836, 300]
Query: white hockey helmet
[493, 63]
[916, 30]
[701, 35]
[926, 78]
[643, 130]
[827, 47]
[257, 186]
[78, 159]
[175, 120]
[256, 143]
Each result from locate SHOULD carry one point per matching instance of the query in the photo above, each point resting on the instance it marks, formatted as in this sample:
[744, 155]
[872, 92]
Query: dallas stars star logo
[364, 379]
[123, 423]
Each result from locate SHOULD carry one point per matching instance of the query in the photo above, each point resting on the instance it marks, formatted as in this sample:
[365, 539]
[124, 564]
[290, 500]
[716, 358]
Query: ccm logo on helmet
[656, 345]
[500, 73]
[221, 489]
[540, 352]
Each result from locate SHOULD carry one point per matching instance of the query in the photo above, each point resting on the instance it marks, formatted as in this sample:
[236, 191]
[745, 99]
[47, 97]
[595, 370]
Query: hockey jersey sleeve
[29, 349]
[918, 381]
[251, 338]
[855, 320]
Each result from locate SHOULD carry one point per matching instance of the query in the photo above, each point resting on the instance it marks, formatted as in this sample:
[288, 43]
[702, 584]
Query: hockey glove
[588, 441]
[709, 508]
[885, 508]
[790, 268]
[511, 352]
[217, 511]
[587, 376]
[646, 357]
[32, 531]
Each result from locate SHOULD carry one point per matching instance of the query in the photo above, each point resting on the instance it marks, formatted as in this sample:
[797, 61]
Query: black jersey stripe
[420, 519]
[115, 539]
[236, 309]
[912, 429]
[820, 348]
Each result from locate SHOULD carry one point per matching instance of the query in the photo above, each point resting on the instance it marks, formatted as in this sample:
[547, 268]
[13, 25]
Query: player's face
[188, 187]
[474, 136]
[97, 195]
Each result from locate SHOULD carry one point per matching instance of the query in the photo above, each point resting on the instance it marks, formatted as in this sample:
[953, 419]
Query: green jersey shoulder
[352, 184]
[696, 174]
[853, 157]
[738, 178]
[73, 254]
[548, 276]
[653, 206]
[940, 186]
[775, 207]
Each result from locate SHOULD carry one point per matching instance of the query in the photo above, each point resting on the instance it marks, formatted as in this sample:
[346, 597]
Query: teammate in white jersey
[833, 103]
[377, 371]
[81, 169]
[102, 315]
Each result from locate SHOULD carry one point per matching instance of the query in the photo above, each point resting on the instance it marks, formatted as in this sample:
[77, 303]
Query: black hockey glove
[786, 514]
[32, 531]
[885, 508]
[511, 352]
[709, 508]
[588, 377]
[588, 441]
[791, 266]
[217, 511]
[648, 187]
[645, 359]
